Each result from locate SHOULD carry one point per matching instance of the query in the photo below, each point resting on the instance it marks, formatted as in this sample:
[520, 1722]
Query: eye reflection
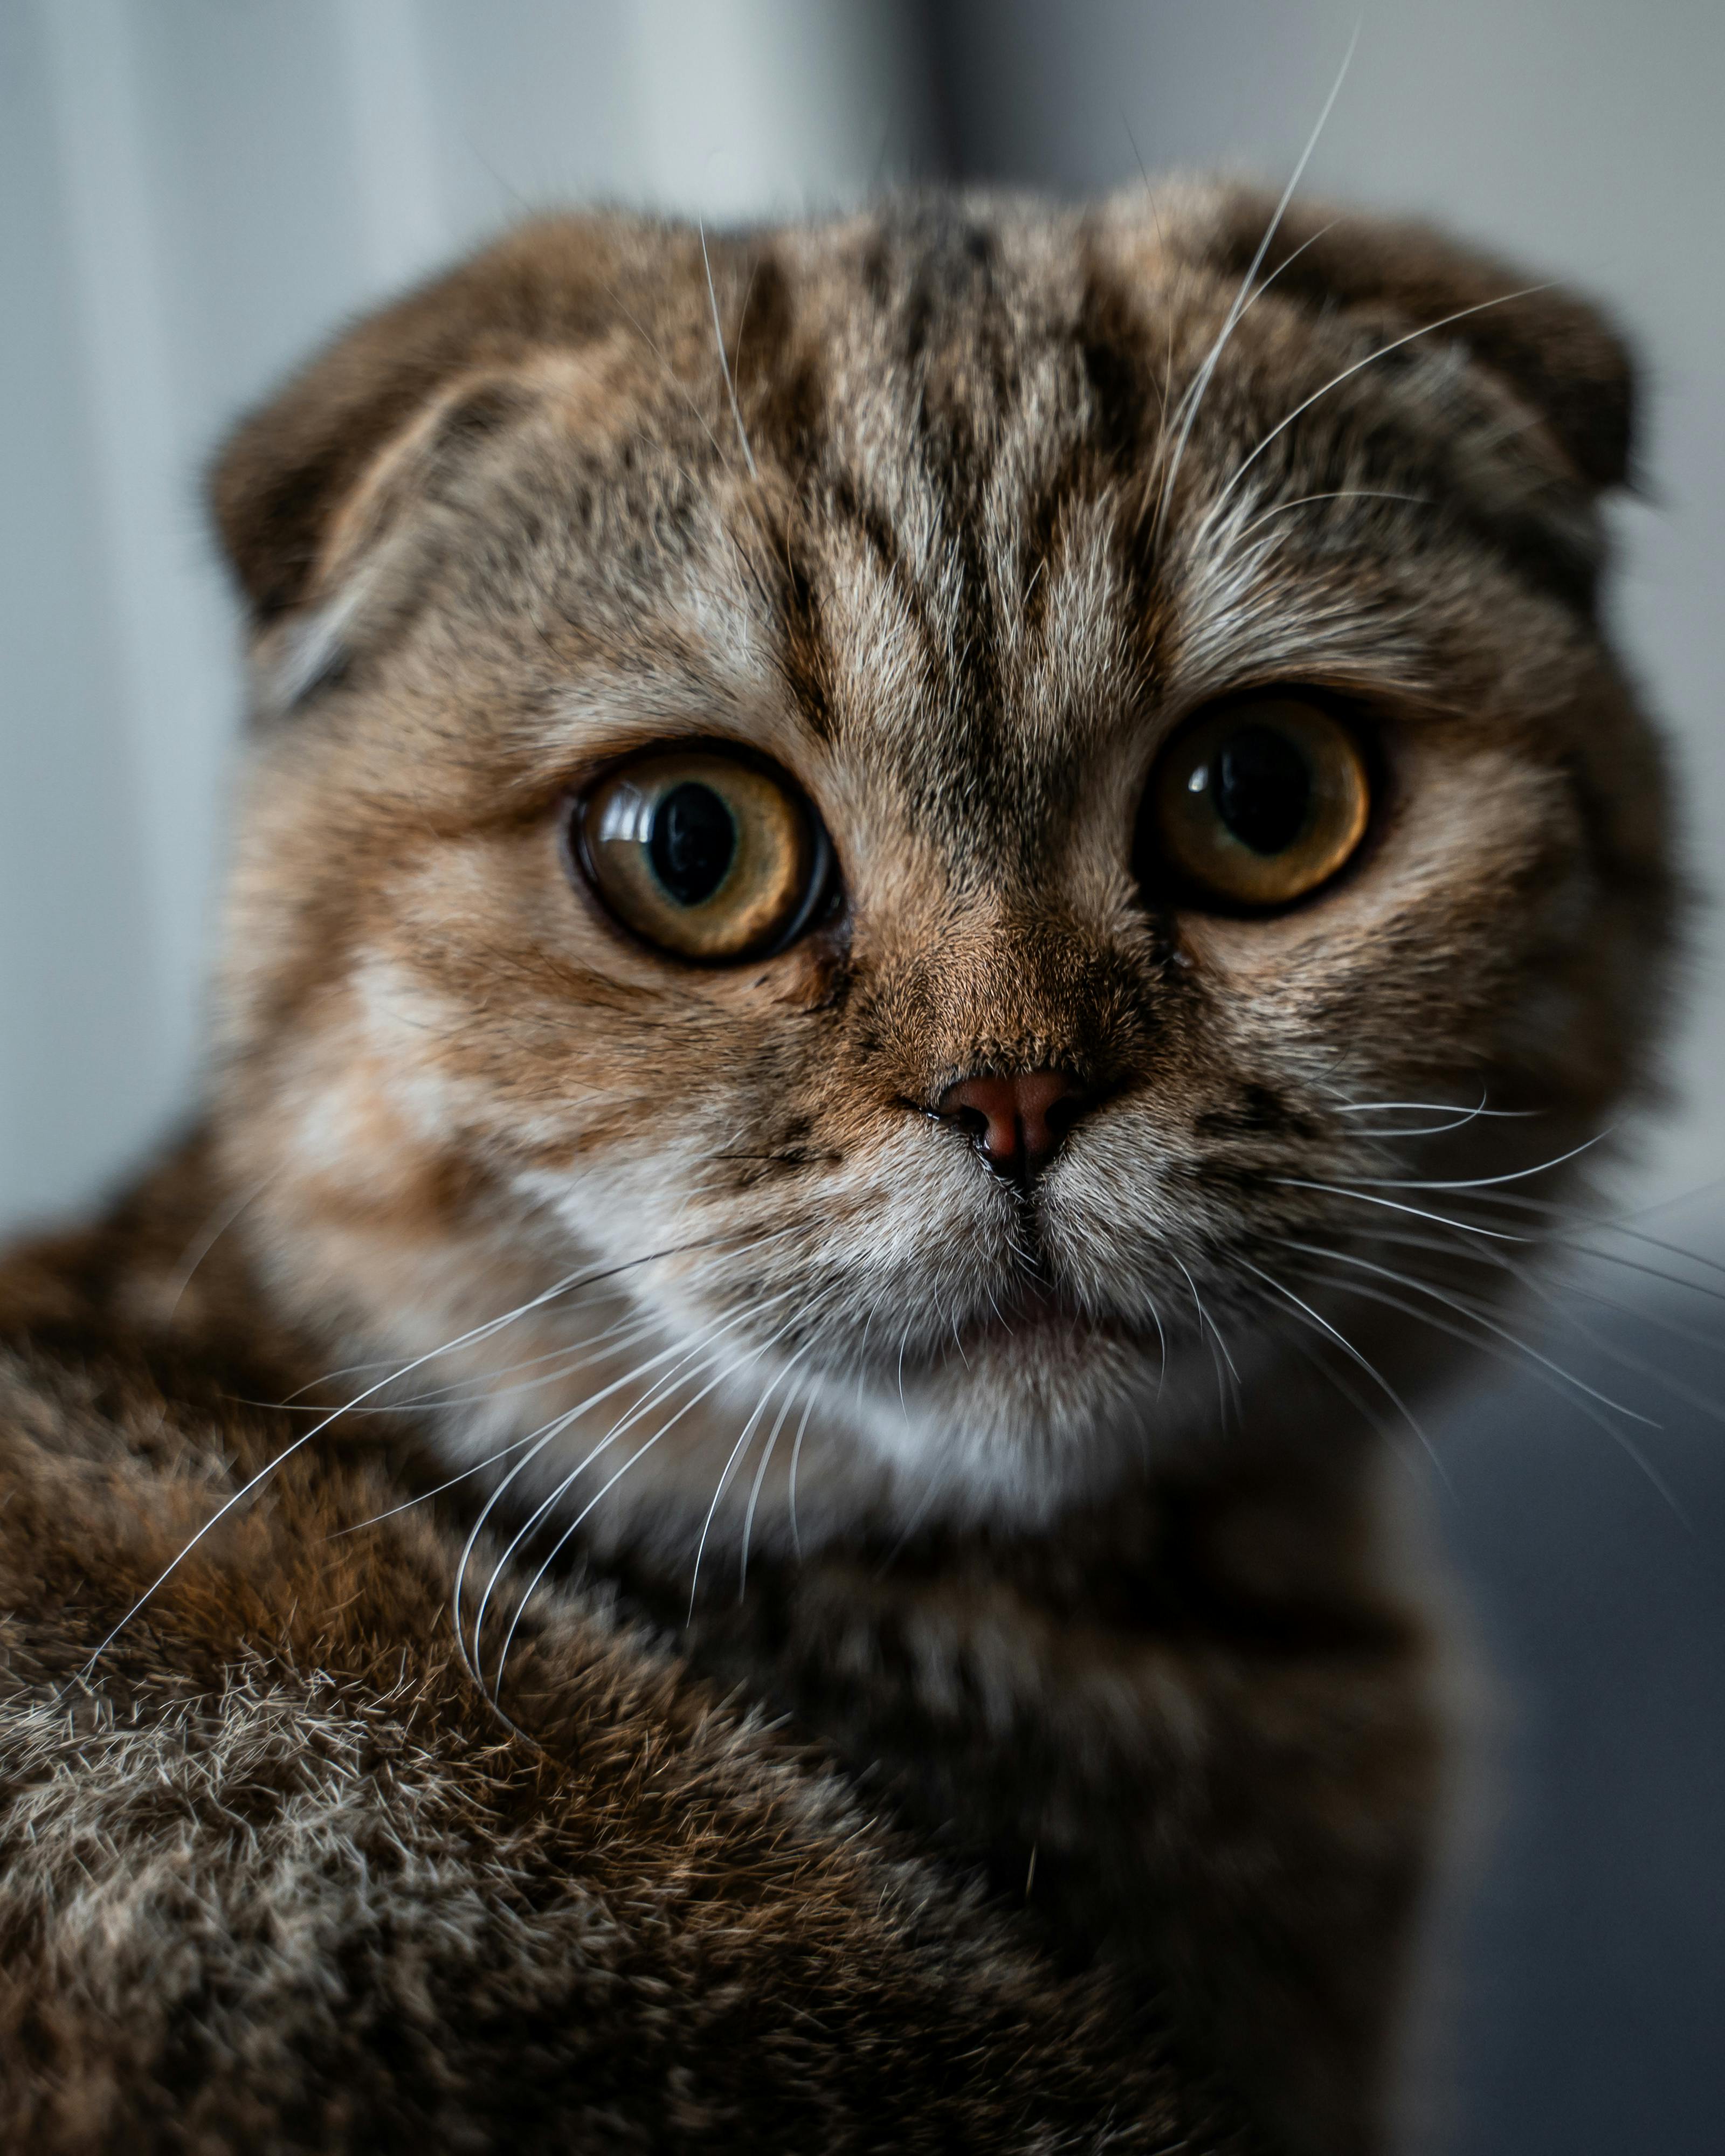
[710, 858]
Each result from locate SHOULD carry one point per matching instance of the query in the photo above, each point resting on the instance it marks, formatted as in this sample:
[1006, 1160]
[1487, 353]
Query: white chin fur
[1010, 1432]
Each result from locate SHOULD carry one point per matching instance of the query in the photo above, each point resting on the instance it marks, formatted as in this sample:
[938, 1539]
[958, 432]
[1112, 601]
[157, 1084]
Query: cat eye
[1257, 805]
[708, 856]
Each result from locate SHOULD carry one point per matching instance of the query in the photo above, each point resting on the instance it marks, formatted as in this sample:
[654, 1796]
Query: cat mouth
[1035, 1320]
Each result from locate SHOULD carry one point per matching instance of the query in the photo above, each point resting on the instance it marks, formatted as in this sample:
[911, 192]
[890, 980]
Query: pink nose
[1018, 1122]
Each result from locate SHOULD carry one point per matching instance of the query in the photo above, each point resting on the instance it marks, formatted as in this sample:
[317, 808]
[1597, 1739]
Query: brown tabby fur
[1058, 1764]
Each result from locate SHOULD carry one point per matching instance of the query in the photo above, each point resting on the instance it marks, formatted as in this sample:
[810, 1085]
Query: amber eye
[1257, 805]
[708, 856]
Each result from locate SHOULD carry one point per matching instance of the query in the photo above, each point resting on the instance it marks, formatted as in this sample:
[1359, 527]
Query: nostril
[987, 1110]
[1019, 1123]
[1062, 1113]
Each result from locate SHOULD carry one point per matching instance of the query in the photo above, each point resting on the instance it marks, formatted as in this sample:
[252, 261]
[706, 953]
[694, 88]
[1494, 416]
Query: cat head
[861, 833]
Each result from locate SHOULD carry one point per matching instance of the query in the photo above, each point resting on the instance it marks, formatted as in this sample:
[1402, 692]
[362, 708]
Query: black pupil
[693, 842]
[1262, 788]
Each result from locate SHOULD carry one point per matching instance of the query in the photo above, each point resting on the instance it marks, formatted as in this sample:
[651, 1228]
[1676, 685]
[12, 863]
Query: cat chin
[1015, 1433]
[1029, 1422]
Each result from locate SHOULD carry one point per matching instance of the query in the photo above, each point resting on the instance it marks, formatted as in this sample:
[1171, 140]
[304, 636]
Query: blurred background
[192, 192]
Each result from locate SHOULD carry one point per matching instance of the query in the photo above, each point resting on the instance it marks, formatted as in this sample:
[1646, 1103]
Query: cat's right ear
[1558, 354]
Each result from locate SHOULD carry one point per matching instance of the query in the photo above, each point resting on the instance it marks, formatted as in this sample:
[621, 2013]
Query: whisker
[1583, 1407]
[1394, 1205]
[1650, 1272]
[467, 1474]
[1483, 1181]
[1458, 1116]
[1161, 1344]
[1674, 1388]
[659, 1390]
[748, 1519]
[1575, 1222]
[212, 1232]
[1428, 329]
[1582, 1224]
[1573, 1281]
[1437, 1108]
[1194, 397]
[1362, 1406]
[737, 1451]
[1207, 1327]
[570, 1357]
[1353, 1353]
[1336, 494]
[1490, 1325]
[796, 1455]
[670, 373]
[748, 455]
[556, 1548]
[682, 1351]
[572, 1282]
[1624, 1358]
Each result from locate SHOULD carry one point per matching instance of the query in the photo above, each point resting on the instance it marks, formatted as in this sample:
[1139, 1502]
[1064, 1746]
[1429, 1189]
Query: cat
[913, 900]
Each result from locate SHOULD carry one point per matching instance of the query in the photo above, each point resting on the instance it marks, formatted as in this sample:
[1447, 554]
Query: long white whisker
[551, 1555]
[660, 1391]
[748, 455]
[1573, 1221]
[1201, 380]
[1474, 1316]
[571, 1283]
[1357, 1400]
[748, 1517]
[1335, 494]
[684, 1353]
[1573, 1282]
[206, 1239]
[679, 1353]
[1583, 1407]
[715, 1243]
[1335, 381]
[1350, 1351]
[476, 1391]
[1624, 1358]
[796, 1455]
[1393, 1206]
[424, 1497]
[738, 1451]
[1437, 1108]
[1482, 1182]
[1208, 1325]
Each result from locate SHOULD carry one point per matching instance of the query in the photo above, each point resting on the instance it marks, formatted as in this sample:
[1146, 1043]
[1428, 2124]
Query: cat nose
[1019, 1123]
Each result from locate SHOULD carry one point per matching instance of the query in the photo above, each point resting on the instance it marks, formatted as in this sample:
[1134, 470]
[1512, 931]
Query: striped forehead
[960, 600]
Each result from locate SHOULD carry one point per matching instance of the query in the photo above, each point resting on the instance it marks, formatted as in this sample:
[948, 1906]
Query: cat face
[874, 886]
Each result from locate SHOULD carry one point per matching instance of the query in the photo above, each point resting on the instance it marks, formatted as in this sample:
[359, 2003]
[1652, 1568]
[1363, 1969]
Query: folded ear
[1559, 355]
[285, 475]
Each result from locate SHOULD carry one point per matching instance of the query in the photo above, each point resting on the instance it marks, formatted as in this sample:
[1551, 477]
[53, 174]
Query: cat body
[747, 1036]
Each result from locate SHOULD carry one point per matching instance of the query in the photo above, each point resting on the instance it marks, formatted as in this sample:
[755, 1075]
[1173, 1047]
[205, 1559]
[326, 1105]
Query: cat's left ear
[1560, 356]
[327, 499]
